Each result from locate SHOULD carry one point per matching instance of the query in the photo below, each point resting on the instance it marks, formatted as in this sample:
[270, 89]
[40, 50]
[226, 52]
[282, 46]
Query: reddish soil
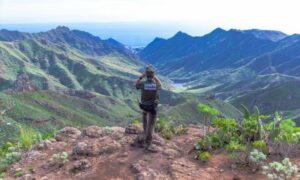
[175, 160]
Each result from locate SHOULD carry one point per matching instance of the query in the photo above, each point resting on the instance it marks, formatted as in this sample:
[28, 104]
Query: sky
[194, 16]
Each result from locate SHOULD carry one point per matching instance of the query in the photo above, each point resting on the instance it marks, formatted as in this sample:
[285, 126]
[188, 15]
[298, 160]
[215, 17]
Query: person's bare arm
[158, 82]
[138, 82]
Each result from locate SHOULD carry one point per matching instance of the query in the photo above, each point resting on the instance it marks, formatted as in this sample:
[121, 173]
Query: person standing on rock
[149, 101]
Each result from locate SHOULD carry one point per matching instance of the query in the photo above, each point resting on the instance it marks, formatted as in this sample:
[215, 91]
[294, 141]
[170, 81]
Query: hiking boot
[151, 148]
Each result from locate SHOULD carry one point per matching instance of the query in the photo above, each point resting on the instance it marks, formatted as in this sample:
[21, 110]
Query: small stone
[81, 165]
[171, 153]
[28, 177]
[210, 169]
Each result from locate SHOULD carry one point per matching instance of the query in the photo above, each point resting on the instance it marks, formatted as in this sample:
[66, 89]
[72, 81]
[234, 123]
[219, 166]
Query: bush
[136, 122]
[19, 174]
[181, 130]
[237, 152]
[61, 157]
[260, 145]
[280, 170]
[3, 175]
[204, 156]
[167, 134]
[257, 158]
[234, 146]
[168, 128]
[160, 124]
[28, 137]
[8, 159]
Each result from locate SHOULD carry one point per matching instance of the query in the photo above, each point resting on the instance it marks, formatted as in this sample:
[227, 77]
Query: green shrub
[286, 131]
[3, 175]
[203, 144]
[296, 129]
[280, 170]
[136, 122]
[61, 157]
[19, 174]
[28, 137]
[260, 145]
[257, 157]
[204, 156]
[160, 124]
[248, 140]
[234, 146]
[227, 128]
[181, 130]
[167, 134]
[208, 114]
[168, 128]
[8, 159]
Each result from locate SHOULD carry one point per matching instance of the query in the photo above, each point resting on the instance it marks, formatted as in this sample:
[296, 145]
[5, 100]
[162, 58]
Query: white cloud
[266, 14]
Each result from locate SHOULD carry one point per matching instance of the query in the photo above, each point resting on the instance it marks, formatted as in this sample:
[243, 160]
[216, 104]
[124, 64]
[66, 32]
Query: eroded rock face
[68, 133]
[22, 84]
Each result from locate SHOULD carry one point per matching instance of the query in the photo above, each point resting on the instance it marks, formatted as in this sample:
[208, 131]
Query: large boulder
[67, 134]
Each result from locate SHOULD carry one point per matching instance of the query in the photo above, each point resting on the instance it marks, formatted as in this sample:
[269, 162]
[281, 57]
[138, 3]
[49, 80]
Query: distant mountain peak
[218, 30]
[62, 28]
[181, 34]
[267, 34]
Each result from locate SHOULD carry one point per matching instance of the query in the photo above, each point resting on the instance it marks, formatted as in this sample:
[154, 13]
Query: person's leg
[145, 122]
[145, 114]
[150, 127]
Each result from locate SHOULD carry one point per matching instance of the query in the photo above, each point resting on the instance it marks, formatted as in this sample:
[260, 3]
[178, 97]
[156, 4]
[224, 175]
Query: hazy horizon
[138, 22]
[131, 34]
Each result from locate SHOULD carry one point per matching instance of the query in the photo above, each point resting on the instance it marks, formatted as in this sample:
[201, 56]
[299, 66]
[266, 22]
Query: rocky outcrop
[84, 94]
[22, 84]
[107, 153]
[94, 132]
[68, 134]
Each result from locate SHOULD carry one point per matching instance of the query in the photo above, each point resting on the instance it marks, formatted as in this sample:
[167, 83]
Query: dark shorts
[152, 108]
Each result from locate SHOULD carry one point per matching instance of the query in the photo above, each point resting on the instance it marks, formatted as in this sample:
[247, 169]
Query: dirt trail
[100, 154]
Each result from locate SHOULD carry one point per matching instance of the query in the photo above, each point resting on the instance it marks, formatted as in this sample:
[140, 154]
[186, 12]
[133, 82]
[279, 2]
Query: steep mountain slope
[62, 58]
[284, 58]
[218, 49]
[241, 67]
[77, 79]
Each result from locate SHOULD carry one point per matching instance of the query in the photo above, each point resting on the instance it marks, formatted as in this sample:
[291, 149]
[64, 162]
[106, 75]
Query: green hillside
[38, 70]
